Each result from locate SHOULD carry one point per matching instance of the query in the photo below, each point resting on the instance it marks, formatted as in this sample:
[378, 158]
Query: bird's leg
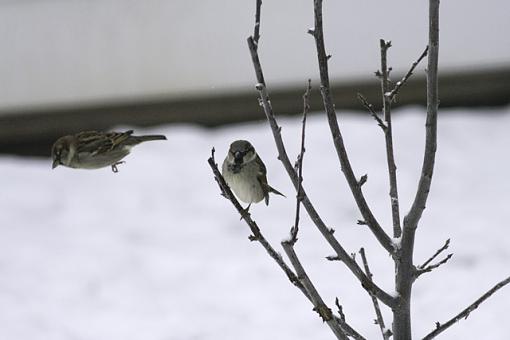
[245, 211]
[114, 166]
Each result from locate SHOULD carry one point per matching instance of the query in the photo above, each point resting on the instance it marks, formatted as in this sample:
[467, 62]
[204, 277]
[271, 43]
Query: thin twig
[299, 163]
[431, 267]
[386, 333]
[337, 324]
[386, 298]
[256, 233]
[393, 93]
[338, 141]
[465, 313]
[341, 313]
[340, 309]
[363, 179]
[256, 29]
[363, 100]
[439, 251]
[388, 134]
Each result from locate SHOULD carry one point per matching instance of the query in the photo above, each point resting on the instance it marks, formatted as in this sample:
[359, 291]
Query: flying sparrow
[245, 173]
[94, 150]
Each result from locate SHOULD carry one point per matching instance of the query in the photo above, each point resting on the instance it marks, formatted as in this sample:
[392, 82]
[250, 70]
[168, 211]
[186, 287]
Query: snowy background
[155, 253]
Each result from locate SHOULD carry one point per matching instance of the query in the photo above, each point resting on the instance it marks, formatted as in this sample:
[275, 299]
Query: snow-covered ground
[154, 252]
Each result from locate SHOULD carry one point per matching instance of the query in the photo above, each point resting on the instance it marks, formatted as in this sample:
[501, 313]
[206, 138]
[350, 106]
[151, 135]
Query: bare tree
[401, 246]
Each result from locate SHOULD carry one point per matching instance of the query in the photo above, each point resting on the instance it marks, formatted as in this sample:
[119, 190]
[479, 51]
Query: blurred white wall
[68, 51]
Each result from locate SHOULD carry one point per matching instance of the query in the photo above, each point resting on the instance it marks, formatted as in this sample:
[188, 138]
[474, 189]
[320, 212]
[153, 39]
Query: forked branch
[431, 267]
[427, 267]
[337, 324]
[436, 254]
[401, 250]
[326, 232]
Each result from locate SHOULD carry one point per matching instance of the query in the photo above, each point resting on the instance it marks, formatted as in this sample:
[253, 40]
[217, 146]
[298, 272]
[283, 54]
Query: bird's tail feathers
[274, 191]
[147, 138]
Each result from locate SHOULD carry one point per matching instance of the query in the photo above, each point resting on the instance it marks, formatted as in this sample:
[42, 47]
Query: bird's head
[241, 152]
[61, 152]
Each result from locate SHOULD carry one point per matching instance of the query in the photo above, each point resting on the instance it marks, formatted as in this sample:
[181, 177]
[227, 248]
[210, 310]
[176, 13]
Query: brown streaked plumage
[94, 150]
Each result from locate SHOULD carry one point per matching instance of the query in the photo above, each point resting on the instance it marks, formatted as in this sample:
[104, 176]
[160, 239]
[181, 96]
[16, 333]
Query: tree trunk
[404, 283]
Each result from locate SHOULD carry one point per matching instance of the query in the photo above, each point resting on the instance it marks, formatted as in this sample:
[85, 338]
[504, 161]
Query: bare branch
[393, 93]
[256, 233]
[337, 324]
[334, 322]
[386, 333]
[299, 163]
[439, 251]
[465, 313]
[426, 267]
[345, 164]
[420, 200]
[342, 317]
[326, 232]
[256, 29]
[370, 109]
[388, 134]
[431, 267]
[340, 309]
[405, 268]
[258, 70]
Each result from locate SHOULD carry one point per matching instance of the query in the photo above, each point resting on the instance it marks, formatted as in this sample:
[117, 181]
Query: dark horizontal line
[32, 132]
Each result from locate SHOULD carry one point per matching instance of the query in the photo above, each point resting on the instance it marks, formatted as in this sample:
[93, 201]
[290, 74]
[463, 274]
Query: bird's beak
[56, 162]
[238, 157]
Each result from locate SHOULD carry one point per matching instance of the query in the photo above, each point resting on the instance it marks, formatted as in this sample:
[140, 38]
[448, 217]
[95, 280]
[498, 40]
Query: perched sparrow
[94, 150]
[245, 173]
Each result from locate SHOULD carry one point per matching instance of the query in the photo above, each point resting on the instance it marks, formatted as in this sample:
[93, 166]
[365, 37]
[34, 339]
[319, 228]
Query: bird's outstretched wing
[97, 143]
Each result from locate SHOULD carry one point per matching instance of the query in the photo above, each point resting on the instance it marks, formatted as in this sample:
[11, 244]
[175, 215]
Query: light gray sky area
[63, 52]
